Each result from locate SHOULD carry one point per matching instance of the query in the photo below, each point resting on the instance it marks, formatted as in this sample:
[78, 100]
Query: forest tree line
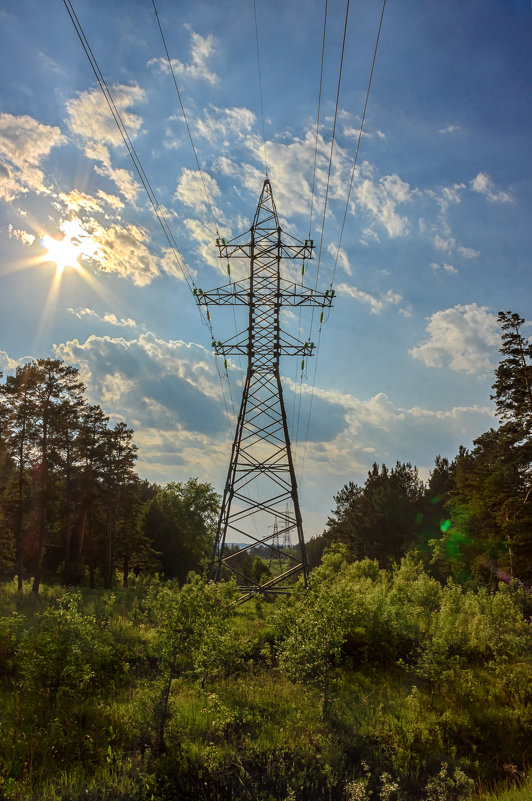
[472, 520]
[73, 509]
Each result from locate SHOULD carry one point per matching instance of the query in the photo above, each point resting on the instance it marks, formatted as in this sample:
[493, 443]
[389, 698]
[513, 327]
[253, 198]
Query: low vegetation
[374, 684]
[403, 674]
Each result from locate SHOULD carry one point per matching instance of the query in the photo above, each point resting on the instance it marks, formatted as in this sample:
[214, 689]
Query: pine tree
[513, 376]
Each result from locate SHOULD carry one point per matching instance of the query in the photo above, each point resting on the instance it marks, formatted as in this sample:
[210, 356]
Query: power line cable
[185, 117]
[157, 209]
[343, 221]
[209, 203]
[329, 167]
[129, 145]
[317, 123]
[359, 140]
[260, 89]
[332, 141]
[300, 379]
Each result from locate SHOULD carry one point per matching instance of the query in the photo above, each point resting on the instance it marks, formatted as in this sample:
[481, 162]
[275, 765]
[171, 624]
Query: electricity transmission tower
[261, 489]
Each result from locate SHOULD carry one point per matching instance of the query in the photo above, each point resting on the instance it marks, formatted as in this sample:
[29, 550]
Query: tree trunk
[41, 542]
[108, 578]
[125, 570]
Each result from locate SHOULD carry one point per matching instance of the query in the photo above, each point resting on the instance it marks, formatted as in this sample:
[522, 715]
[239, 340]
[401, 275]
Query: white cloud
[376, 429]
[168, 391]
[451, 195]
[6, 362]
[197, 189]
[226, 166]
[207, 250]
[354, 132]
[450, 129]
[381, 199]
[108, 317]
[123, 179]
[24, 144]
[448, 244]
[23, 236]
[76, 200]
[201, 50]
[121, 249]
[369, 235]
[341, 257]
[90, 118]
[449, 268]
[219, 125]
[467, 253]
[377, 304]
[464, 337]
[483, 184]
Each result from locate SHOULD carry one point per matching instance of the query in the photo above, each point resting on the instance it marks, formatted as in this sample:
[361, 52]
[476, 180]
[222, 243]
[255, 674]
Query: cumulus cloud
[381, 200]
[76, 200]
[375, 429]
[142, 377]
[376, 304]
[201, 50]
[6, 362]
[90, 118]
[202, 234]
[196, 189]
[168, 391]
[463, 337]
[115, 248]
[108, 317]
[23, 236]
[218, 125]
[483, 184]
[24, 144]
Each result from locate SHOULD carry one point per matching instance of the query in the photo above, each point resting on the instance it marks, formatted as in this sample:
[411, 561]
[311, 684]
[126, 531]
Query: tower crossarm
[289, 294]
[286, 345]
[245, 250]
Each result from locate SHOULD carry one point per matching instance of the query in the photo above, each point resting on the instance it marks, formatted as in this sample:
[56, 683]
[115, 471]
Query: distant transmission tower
[261, 489]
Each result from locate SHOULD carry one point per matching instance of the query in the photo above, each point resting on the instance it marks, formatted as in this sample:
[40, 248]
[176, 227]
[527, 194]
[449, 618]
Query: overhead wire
[325, 202]
[317, 123]
[194, 150]
[358, 141]
[329, 170]
[355, 160]
[299, 374]
[260, 89]
[171, 67]
[157, 209]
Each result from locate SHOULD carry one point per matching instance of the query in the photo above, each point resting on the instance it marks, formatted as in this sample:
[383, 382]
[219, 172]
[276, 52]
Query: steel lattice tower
[260, 502]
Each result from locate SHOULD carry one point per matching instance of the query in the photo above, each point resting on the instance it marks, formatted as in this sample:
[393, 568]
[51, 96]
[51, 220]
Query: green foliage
[378, 521]
[161, 691]
[180, 521]
[447, 787]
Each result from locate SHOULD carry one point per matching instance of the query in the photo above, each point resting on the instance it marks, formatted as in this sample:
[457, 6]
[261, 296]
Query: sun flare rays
[63, 253]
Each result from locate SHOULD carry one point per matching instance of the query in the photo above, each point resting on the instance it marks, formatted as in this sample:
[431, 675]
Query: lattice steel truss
[260, 504]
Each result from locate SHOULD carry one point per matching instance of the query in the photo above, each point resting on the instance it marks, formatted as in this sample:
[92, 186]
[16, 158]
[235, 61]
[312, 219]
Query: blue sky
[437, 236]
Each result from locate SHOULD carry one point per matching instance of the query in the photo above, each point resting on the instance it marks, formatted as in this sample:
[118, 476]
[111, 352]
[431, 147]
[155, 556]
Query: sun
[64, 253]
